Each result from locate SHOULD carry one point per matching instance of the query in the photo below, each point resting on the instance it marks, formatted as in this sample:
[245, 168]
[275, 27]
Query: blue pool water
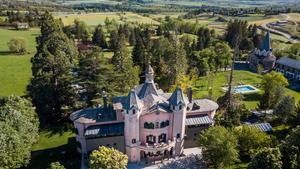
[243, 89]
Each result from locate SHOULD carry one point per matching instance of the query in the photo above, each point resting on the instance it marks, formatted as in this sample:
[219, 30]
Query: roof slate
[177, 97]
[289, 62]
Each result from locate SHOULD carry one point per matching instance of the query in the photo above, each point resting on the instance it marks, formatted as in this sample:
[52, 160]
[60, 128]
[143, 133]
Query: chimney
[104, 99]
[190, 94]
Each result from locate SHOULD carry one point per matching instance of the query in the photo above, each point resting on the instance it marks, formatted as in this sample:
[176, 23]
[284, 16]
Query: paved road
[267, 27]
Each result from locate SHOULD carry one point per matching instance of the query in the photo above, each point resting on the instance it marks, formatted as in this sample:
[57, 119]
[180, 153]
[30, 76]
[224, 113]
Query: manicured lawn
[15, 70]
[55, 145]
[50, 139]
[240, 77]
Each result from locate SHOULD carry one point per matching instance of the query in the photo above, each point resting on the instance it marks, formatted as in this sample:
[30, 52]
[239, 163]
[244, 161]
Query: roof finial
[149, 74]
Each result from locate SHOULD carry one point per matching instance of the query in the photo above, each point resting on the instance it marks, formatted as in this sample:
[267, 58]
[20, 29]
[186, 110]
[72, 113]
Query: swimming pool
[244, 89]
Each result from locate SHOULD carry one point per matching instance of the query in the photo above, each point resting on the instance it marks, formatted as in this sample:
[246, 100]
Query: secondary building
[147, 124]
[289, 67]
[263, 56]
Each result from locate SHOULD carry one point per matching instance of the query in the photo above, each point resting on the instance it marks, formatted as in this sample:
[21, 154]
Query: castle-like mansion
[148, 124]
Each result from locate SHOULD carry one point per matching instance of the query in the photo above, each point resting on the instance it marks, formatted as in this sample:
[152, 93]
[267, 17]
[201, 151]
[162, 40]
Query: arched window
[180, 107]
[167, 123]
[146, 125]
[133, 111]
[162, 124]
[151, 126]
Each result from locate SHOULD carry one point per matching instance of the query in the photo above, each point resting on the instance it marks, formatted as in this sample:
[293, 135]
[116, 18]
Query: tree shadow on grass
[6, 53]
[65, 154]
[252, 97]
[59, 128]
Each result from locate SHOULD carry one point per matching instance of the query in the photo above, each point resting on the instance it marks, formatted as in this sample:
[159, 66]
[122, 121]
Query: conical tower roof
[267, 42]
[177, 97]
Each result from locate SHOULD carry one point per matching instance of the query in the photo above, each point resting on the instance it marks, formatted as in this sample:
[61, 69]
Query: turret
[133, 109]
[178, 105]
[267, 43]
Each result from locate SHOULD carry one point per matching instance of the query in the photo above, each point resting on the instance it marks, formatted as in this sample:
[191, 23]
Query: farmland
[93, 19]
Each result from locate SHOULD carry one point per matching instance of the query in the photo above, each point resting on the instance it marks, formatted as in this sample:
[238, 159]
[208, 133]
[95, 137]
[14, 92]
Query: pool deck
[255, 90]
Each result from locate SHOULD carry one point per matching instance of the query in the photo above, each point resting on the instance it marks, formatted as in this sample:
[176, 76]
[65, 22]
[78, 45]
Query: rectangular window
[157, 125]
[167, 122]
[162, 138]
[133, 141]
[150, 139]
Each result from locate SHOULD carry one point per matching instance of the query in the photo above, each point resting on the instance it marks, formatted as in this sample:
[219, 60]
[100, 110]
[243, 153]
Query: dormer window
[133, 111]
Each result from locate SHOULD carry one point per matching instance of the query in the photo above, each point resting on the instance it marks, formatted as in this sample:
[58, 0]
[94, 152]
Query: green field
[93, 19]
[55, 145]
[240, 77]
[15, 70]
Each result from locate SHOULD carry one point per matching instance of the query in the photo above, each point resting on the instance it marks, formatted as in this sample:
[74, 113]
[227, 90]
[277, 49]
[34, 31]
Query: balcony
[157, 146]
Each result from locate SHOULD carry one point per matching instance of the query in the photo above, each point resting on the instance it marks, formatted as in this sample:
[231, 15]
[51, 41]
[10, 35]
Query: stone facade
[147, 124]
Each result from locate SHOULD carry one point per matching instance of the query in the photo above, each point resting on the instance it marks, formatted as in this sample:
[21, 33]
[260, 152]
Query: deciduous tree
[267, 158]
[19, 131]
[250, 140]
[107, 158]
[290, 149]
[17, 45]
[219, 147]
[271, 83]
[284, 109]
[56, 165]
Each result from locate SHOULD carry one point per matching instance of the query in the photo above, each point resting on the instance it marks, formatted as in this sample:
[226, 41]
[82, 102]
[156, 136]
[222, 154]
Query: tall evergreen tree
[95, 75]
[99, 38]
[204, 38]
[236, 28]
[128, 74]
[51, 86]
[176, 61]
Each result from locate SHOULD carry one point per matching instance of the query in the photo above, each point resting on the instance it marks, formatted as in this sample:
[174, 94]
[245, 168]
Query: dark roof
[265, 127]
[177, 97]
[267, 42]
[198, 120]
[147, 88]
[289, 62]
[132, 100]
[116, 129]
[92, 115]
